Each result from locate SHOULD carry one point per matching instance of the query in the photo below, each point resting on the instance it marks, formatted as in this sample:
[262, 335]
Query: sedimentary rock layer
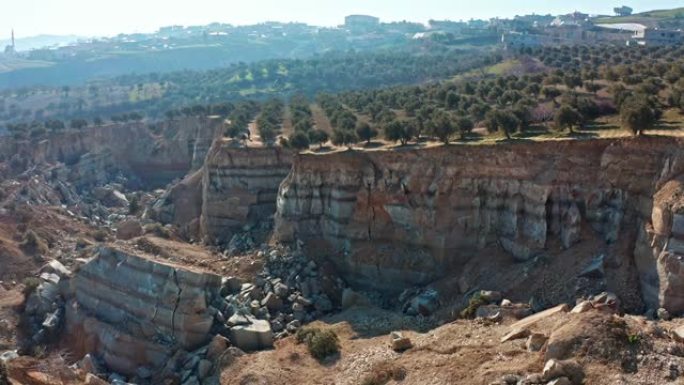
[135, 312]
[397, 218]
[239, 188]
[154, 155]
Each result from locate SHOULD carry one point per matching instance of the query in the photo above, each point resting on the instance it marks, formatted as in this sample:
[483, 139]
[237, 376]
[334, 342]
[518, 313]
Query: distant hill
[666, 18]
[40, 41]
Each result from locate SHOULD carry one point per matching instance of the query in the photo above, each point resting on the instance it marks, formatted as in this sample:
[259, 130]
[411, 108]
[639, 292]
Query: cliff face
[399, 218]
[155, 158]
[134, 312]
[239, 188]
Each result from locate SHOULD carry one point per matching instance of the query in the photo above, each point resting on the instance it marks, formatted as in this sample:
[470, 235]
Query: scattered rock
[663, 314]
[678, 334]
[607, 302]
[400, 343]
[425, 303]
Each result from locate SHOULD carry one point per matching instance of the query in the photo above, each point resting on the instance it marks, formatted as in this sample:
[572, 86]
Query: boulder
[663, 314]
[217, 346]
[91, 379]
[8, 356]
[515, 334]
[255, 336]
[491, 296]
[425, 303]
[555, 369]
[535, 342]
[203, 369]
[400, 343]
[678, 334]
[129, 229]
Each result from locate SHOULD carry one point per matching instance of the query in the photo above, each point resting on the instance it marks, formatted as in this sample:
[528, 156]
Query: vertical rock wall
[406, 217]
[239, 188]
[135, 312]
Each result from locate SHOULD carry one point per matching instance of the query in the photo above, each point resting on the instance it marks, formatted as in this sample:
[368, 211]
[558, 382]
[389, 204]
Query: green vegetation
[321, 343]
[473, 304]
[30, 285]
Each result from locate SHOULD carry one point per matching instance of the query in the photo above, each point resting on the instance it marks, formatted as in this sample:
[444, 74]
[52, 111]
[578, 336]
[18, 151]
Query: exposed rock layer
[239, 188]
[155, 156]
[135, 312]
[398, 218]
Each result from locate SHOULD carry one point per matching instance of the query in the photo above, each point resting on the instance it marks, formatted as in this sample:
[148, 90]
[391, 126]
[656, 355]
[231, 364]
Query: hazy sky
[109, 17]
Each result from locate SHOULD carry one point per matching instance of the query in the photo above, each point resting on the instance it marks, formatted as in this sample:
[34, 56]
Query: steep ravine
[393, 219]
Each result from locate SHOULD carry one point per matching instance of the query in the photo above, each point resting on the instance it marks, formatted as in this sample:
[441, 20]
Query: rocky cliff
[239, 188]
[134, 312]
[399, 218]
[154, 155]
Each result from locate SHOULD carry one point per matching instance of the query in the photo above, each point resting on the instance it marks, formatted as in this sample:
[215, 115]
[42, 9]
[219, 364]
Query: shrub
[475, 302]
[100, 235]
[383, 373]
[32, 244]
[30, 285]
[321, 343]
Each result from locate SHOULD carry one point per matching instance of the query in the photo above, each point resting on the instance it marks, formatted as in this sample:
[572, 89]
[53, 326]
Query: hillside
[658, 18]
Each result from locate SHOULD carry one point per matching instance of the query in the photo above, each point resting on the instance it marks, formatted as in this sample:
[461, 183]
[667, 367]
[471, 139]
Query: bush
[384, 373]
[321, 343]
[30, 285]
[100, 235]
[32, 244]
[475, 302]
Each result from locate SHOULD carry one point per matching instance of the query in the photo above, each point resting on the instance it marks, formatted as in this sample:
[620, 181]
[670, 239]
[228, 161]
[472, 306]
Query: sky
[110, 17]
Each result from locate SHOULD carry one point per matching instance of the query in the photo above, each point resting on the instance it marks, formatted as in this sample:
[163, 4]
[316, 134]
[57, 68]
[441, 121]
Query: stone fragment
[606, 302]
[281, 290]
[515, 334]
[91, 379]
[560, 381]
[678, 334]
[400, 343]
[272, 302]
[56, 267]
[663, 314]
[595, 268]
[533, 319]
[582, 307]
